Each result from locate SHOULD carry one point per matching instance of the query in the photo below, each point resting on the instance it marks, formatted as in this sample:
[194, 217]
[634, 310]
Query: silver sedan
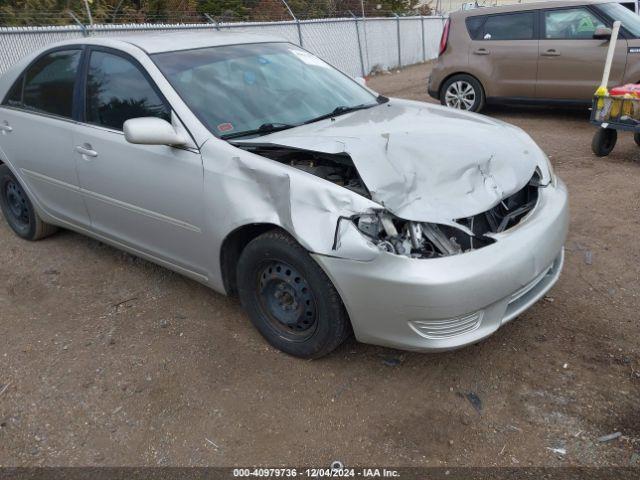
[252, 166]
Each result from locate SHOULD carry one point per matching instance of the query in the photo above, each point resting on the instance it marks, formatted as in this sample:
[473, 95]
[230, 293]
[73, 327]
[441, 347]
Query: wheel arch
[232, 247]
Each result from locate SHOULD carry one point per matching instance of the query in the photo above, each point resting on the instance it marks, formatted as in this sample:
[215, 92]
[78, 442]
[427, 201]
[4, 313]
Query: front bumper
[449, 302]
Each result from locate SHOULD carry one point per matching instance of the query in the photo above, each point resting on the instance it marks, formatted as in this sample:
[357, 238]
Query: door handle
[550, 53]
[481, 51]
[86, 151]
[6, 128]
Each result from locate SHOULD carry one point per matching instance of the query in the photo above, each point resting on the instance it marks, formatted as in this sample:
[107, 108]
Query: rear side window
[14, 97]
[49, 83]
[513, 26]
[474, 27]
[117, 91]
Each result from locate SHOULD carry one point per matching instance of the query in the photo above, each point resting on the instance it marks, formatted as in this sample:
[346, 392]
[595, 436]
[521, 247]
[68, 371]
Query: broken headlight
[416, 239]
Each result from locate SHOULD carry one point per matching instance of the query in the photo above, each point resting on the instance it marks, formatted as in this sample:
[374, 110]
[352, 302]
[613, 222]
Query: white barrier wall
[355, 46]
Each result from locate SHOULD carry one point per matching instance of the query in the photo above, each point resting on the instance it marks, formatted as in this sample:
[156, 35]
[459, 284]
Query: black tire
[603, 141]
[289, 298]
[18, 209]
[460, 84]
[636, 138]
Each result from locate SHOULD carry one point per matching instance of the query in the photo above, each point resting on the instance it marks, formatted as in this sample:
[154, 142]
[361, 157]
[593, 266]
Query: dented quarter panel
[242, 188]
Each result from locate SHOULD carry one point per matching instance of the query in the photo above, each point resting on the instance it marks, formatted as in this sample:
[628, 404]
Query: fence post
[82, 26]
[296, 20]
[355, 21]
[398, 35]
[424, 47]
[299, 31]
[86, 4]
[212, 20]
[115, 12]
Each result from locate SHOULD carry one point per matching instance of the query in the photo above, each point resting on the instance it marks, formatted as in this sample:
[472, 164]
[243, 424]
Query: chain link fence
[355, 45]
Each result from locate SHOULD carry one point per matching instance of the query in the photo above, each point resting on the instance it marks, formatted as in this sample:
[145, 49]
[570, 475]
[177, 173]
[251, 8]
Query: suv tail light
[445, 36]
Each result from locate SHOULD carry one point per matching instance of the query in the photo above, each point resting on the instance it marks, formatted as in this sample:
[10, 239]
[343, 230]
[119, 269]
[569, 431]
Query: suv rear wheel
[462, 92]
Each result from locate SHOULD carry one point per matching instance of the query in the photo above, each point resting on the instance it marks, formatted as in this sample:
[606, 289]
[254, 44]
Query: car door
[571, 61]
[36, 133]
[504, 53]
[149, 197]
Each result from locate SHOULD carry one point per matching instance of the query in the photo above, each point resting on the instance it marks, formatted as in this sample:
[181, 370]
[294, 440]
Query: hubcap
[286, 298]
[17, 203]
[460, 95]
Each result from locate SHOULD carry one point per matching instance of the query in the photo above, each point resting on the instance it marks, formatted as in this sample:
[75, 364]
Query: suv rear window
[474, 26]
[511, 26]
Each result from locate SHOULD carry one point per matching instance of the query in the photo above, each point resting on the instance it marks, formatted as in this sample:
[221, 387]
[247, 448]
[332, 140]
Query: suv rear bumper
[433, 92]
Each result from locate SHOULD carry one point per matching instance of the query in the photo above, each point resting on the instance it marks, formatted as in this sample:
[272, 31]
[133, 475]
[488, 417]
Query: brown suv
[543, 52]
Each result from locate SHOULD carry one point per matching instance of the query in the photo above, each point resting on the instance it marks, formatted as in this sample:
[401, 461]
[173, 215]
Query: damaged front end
[394, 235]
[429, 240]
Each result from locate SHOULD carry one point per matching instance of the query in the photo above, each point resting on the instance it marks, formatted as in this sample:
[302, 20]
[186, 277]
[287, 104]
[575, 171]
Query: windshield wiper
[341, 110]
[261, 130]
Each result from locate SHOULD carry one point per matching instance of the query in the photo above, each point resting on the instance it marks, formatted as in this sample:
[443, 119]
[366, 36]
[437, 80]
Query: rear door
[36, 133]
[504, 53]
[571, 61]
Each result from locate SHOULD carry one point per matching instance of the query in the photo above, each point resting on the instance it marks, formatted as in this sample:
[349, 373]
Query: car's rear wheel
[289, 298]
[18, 209]
[463, 92]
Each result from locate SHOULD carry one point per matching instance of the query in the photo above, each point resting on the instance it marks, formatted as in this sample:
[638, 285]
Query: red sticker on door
[225, 127]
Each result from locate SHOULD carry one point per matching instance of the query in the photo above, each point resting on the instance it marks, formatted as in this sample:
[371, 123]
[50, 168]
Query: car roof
[174, 41]
[517, 7]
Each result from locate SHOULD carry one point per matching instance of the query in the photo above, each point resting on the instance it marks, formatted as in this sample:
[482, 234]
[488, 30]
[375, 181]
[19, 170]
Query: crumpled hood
[424, 162]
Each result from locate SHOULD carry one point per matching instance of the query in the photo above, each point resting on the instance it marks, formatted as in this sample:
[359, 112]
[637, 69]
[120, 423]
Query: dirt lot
[106, 359]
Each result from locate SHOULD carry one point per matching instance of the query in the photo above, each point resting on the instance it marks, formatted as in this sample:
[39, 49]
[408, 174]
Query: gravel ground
[106, 359]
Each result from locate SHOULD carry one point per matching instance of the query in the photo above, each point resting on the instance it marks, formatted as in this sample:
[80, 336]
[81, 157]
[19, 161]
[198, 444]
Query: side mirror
[602, 33]
[361, 80]
[151, 131]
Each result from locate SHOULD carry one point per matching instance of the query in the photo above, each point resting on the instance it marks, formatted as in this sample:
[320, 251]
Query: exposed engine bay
[335, 168]
[429, 240]
[401, 237]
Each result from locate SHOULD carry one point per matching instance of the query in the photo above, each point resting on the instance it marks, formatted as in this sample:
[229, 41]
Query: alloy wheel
[460, 95]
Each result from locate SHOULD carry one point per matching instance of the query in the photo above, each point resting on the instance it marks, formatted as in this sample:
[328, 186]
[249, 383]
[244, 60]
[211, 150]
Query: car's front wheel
[463, 92]
[18, 209]
[289, 298]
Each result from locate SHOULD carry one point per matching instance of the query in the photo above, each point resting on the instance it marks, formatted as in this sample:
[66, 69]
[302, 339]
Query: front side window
[117, 91]
[570, 24]
[49, 83]
[239, 88]
[513, 26]
[630, 21]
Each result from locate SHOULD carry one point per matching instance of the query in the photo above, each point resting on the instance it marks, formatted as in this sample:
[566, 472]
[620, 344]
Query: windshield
[243, 88]
[630, 21]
